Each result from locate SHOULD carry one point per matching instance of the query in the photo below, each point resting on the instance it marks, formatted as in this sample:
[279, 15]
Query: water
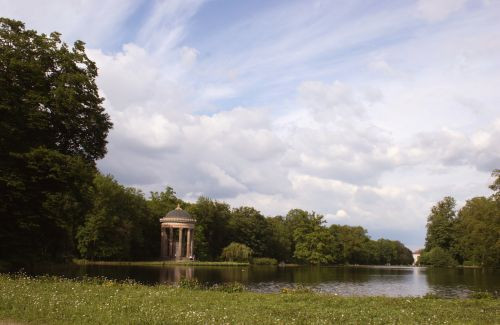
[359, 281]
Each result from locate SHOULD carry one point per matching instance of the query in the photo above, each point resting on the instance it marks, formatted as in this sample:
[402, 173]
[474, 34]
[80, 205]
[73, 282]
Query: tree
[280, 241]
[440, 229]
[52, 129]
[49, 95]
[248, 226]
[236, 252]
[313, 243]
[478, 229]
[212, 230]
[114, 229]
[354, 244]
[438, 257]
[495, 186]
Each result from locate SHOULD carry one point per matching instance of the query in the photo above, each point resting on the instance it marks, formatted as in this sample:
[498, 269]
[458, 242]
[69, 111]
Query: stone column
[163, 242]
[179, 247]
[192, 242]
[188, 243]
[170, 242]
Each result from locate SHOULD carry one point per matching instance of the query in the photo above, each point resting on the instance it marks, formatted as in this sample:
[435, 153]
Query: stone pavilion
[177, 235]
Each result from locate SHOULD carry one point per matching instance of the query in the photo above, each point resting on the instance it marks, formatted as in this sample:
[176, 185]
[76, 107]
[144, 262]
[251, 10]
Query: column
[163, 242]
[192, 242]
[179, 247]
[170, 242]
[188, 243]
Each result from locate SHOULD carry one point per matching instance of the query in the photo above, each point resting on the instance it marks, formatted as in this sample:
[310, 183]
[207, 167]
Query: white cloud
[435, 10]
[367, 117]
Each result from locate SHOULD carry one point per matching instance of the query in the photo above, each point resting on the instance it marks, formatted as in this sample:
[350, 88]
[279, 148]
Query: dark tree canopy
[52, 129]
[49, 95]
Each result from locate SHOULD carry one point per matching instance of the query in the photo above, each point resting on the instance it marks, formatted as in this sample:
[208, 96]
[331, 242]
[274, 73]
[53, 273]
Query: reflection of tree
[451, 279]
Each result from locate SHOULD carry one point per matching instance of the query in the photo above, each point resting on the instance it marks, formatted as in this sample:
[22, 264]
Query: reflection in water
[175, 274]
[374, 280]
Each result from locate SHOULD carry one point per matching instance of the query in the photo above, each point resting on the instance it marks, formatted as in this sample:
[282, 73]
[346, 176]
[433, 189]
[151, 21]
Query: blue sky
[367, 112]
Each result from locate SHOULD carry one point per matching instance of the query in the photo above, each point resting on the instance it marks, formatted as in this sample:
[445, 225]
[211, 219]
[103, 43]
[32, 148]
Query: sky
[367, 112]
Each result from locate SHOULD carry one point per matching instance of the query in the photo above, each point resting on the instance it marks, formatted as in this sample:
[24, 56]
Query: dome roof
[178, 213]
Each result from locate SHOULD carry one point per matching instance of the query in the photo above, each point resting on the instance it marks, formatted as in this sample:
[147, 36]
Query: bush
[189, 284]
[437, 257]
[468, 263]
[229, 287]
[236, 252]
[299, 288]
[264, 261]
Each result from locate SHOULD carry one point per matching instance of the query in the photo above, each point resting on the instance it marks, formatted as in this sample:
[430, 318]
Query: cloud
[433, 10]
[364, 114]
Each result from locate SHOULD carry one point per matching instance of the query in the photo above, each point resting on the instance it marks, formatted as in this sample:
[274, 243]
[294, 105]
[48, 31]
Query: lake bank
[158, 263]
[61, 301]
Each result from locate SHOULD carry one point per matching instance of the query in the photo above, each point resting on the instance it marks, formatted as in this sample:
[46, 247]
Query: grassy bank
[158, 263]
[97, 301]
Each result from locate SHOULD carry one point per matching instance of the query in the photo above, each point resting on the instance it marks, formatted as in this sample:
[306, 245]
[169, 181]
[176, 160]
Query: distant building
[416, 255]
[177, 235]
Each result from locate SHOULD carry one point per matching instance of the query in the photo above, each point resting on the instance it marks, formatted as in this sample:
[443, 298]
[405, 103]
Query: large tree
[440, 225]
[478, 230]
[248, 226]
[211, 233]
[52, 129]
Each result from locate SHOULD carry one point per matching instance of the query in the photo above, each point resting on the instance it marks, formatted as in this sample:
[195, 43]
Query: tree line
[122, 224]
[469, 236]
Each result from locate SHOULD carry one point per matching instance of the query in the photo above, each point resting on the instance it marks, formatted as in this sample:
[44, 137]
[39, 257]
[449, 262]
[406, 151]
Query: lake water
[362, 280]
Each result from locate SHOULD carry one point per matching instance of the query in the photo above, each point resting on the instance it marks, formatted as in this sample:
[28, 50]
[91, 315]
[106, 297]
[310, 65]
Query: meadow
[52, 300]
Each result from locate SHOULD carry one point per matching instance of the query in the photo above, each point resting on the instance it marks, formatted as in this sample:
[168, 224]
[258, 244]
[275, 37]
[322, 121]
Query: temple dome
[178, 213]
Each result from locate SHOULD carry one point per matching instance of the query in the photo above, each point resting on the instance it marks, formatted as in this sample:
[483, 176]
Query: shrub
[264, 261]
[237, 252]
[299, 288]
[229, 287]
[437, 257]
[189, 284]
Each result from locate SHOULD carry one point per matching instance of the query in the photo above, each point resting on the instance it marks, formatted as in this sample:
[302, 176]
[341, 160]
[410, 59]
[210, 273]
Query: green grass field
[49, 300]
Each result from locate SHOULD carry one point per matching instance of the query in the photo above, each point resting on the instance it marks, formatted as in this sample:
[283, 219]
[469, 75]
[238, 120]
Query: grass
[158, 263]
[51, 300]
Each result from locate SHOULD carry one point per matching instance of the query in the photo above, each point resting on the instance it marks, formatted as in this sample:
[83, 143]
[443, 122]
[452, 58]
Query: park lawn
[49, 300]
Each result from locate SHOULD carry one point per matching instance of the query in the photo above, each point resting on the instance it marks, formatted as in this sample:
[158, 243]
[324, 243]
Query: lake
[345, 280]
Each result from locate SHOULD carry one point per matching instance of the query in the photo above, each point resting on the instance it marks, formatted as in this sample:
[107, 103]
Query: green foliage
[478, 232]
[495, 186]
[280, 241]
[231, 287]
[438, 257]
[440, 225]
[264, 261]
[472, 236]
[192, 284]
[391, 252]
[114, 227]
[212, 228]
[354, 244]
[237, 252]
[52, 129]
[249, 227]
